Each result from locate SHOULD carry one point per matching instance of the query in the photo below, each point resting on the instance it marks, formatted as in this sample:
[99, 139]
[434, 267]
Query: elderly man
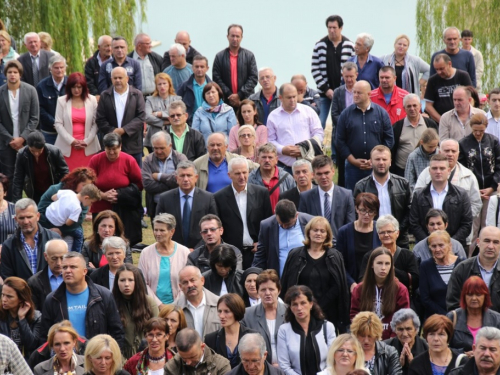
[93, 64]
[182, 37]
[454, 124]
[305, 94]
[303, 176]
[460, 58]
[119, 58]
[266, 100]
[158, 169]
[269, 175]
[121, 110]
[180, 70]
[241, 208]
[114, 249]
[149, 61]
[50, 277]
[213, 166]
[35, 62]
[290, 124]
[467, 37]
[235, 68]
[49, 90]
[368, 65]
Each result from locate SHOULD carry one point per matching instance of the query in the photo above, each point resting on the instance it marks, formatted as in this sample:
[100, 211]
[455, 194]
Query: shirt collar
[125, 93]
[470, 112]
[367, 108]
[485, 270]
[35, 56]
[244, 190]
[51, 274]
[202, 303]
[434, 190]
[421, 121]
[23, 239]
[386, 181]
[330, 192]
[191, 193]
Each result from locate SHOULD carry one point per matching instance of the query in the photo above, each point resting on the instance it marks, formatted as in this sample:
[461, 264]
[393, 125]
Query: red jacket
[395, 108]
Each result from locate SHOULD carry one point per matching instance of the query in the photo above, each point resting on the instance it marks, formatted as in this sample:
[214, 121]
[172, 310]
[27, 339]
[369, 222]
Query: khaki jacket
[213, 364]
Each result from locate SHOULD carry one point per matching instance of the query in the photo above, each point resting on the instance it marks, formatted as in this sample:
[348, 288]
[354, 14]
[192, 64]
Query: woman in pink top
[247, 115]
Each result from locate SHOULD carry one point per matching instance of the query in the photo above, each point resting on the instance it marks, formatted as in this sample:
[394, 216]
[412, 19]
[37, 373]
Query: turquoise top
[164, 289]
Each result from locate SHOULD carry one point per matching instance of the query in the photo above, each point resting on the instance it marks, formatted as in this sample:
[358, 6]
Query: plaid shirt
[11, 359]
[31, 252]
[417, 161]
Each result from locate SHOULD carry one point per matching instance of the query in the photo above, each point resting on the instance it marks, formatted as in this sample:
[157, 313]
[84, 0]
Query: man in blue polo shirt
[266, 100]
[368, 65]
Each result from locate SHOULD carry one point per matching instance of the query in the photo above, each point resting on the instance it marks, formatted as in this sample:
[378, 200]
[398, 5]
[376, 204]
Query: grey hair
[300, 163]
[251, 342]
[178, 104]
[226, 141]
[29, 35]
[101, 39]
[24, 203]
[454, 141]
[167, 219]
[237, 161]
[114, 242]
[55, 240]
[367, 40]
[489, 333]
[266, 68]
[349, 65]
[384, 220]
[185, 164]
[194, 268]
[180, 49]
[112, 140]
[138, 37]
[451, 28]
[409, 97]
[57, 59]
[186, 339]
[403, 315]
[298, 76]
[162, 134]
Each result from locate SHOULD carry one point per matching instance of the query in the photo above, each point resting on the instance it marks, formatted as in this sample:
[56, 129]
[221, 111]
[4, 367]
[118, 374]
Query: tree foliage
[75, 25]
[479, 16]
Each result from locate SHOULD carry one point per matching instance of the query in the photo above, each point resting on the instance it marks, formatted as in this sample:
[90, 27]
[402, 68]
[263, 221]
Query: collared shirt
[289, 239]
[167, 166]
[348, 98]
[383, 196]
[148, 74]
[267, 103]
[438, 198]
[452, 127]
[233, 65]
[485, 274]
[14, 110]
[54, 280]
[198, 94]
[322, 199]
[99, 60]
[409, 140]
[120, 103]
[217, 176]
[241, 200]
[369, 72]
[197, 313]
[493, 127]
[31, 252]
[59, 85]
[270, 185]
[182, 200]
[179, 141]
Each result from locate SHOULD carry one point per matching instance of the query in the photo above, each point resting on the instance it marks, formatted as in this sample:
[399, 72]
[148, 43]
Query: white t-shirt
[156, 372]
[67, 206]
[271, 326]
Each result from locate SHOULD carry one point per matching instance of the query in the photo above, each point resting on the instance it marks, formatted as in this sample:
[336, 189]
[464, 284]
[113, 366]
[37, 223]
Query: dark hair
[268, 275]
[94, 239]
[112, 140]
[467, 34]
[293, 293]
[210, 217]
[23, 292]
[442, 57]
[335, 18]
[286, 210]
[436, 322]
[474, 95]
[321, 161]
[223, 254]
[200, 57]
[13, 64]
[434, 212]
[209, 86]
[388, 68]
[369, 201]
[187, 339]
[116, 38]
[389, 290]
[239, 116]
[4, 180]
[235, 304]
[495, 91]
[73, 80]
[475, 285]
[77, 176]
[235, 25]
[36, 140]
[156, 323]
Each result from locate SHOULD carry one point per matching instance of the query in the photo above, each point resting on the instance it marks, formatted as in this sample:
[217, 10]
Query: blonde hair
[166, 77]
[46, 38]
[96, 345]
[63, 326]
[337, 344]
[402, 36]
[367, 323]
[329, 234]
[439, 234]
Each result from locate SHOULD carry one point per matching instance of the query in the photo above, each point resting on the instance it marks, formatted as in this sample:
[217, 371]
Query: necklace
[156, 359]
[446, 361]
[400, 62]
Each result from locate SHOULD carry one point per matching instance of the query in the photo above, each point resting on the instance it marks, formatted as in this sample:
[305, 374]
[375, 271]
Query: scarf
[405, 78]
[73, 362]
[215, 109]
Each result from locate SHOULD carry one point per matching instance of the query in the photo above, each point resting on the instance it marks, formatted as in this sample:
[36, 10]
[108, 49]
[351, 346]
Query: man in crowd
[305, 94]
[93, 64]
[388, 95]
[266, 100]
[235, 68]
[467, 37]
[494, 113]
[182, 37]
[329, 54]
[35, 62]
[303, 176]
[368, 64]
[188, 204]
[149, 61]
[252, 348]
[179, 70]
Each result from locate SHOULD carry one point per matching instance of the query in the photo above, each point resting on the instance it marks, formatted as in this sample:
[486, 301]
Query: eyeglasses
[246, 135]
[346, 351]
[362, 211]
[152, 336]
[389, 232]
[176, 115]
[211, 230]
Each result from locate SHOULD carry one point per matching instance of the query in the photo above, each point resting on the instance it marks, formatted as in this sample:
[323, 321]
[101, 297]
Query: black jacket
[186, 91]
[213, 282]
[399, 193]
[155, 60]
[101, 315]
[189, 57]
[194, 143]
[270, 370]
[24, 175]
[482, 158]
[101, 276]
[217, 342]
[129, 207]
[275, 103]
[421, 365]
[29, 332]
[40, 287]
[92, 68]
[418, 348]
[337, 310]
[386, 360]
[200, 257]
[468, 368]
[292, 195]
[95, 257]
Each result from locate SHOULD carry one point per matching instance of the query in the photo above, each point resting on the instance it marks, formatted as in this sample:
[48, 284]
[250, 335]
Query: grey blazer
[29, 113]
[43, 66]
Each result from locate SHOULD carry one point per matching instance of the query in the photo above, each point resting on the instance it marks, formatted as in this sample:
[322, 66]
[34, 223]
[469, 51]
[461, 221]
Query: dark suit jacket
[133, 118]
[292, 195]
[342, 207]
[268, 248]
[258, 209]
[43, 66]
[203, 204]
[338, 104]
[40, 287]
[101, 276]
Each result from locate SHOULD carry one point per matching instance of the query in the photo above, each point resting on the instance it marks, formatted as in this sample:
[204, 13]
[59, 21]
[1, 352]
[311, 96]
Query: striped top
[445, 272]
[7, 223]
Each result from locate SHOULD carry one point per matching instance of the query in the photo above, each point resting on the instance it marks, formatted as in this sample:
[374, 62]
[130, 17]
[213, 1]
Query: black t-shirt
[363, 243]
[333, 66]
[440, 91]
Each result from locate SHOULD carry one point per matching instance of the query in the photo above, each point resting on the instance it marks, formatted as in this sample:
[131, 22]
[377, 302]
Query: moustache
[190, 289]
[486, 359]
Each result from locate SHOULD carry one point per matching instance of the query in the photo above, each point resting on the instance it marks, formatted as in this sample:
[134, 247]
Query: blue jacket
[206, 124]
[132, 67]
[186, 91]
[47, 98]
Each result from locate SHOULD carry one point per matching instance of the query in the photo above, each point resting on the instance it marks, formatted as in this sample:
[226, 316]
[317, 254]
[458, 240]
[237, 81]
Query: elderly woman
[249, 283]
[248, 147]
[435, 273]
[345, 355]
[157, 106]
[114, 249]
[252, 348]
[63, 340]
[6, 51]
[75, 123]
[174, 315]
[320, 267]
[223, 277]
[380, 358]
[407, 342]
[8, 223]
[214, 115]
[356, 239]
[304, 340]
[408, 68]
[161, 262]
[120, 181]
[474, 313]
[103, 357]
[247, 115]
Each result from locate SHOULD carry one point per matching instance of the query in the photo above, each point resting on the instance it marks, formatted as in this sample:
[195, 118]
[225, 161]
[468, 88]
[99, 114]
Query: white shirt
[322, 198]
[111, 280]
[271, 326]
[67, 206]
[438, 198]
[160, 371]
[120, 102]
[241, 201]
[14, 110]
[493, 127]
[223, 289]
[383, 196]
[254, 302]
[197, 313]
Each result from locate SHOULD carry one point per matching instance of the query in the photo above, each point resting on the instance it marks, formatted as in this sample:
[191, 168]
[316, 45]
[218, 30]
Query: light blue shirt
[438, 198]
[485, 274]
[55, 281]
[164, 289]
[383, 196]
[198, 94]
[217, 176]
[182, 200]
[289, 239]
[493, 127]
[77, 310]
[179, 76]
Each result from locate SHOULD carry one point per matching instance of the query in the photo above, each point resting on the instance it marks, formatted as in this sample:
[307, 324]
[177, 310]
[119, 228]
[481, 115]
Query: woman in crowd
[408, 67]
[161, 262]
[6, 51]
[407, 342]
[380, 291]
[18, 318]
[345, 355]
[134, 305]
[473, 314]
[439, 359]
[214, 115]
[435, 273]
[223, 277]
[103, 357]
[356, 239]
[320, 267]
[304, 340]
[114, 249]
[8, 224]
[120, 181]
[249, 284]
[75, 123]
[63, 340]
[105, 224]
[231, 310]
[474, 95]
[153, 359]
[157, 106]
[380, 358]
[247, 115]
[176, 321]
[419, 158]
[247, 148]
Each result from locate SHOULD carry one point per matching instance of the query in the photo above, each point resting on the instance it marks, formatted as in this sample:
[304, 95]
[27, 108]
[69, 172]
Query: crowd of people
[261, 264]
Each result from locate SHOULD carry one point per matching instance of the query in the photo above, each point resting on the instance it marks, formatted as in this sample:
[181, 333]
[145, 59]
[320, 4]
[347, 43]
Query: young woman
[176, 321]
[247, 115]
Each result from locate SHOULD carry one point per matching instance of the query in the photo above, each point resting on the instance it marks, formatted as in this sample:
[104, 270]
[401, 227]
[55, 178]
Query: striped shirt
[445, 272]
[7, 223]
[31, 252]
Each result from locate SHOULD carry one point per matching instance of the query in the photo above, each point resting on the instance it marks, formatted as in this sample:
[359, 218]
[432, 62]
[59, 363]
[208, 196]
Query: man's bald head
[119, 78]
[182, 37]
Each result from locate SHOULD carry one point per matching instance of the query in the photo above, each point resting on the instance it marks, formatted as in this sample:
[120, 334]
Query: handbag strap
[278, 184]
